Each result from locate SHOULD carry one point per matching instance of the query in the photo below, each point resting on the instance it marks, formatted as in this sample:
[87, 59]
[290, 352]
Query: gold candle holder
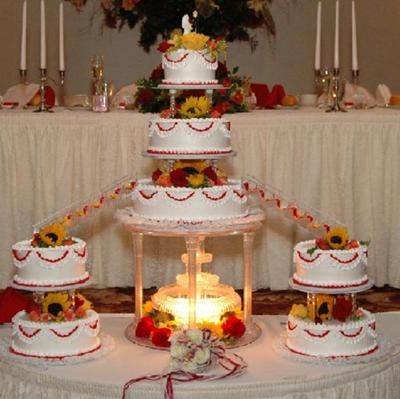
[335, 92]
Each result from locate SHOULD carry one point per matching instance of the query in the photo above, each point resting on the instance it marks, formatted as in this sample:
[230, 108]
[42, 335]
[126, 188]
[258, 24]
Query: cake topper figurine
[195, 21]
[186, 25]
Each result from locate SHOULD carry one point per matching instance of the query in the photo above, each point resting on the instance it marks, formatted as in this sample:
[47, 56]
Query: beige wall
[288, 59]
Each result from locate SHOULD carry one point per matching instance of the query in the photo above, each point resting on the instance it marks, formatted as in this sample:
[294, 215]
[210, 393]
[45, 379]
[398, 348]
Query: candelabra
[43, 81]
[62, 82]
[22, 76]
[336, 92]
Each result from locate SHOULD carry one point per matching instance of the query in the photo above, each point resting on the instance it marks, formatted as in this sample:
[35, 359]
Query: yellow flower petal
[52, 235]
[194, 41]
[337, 237]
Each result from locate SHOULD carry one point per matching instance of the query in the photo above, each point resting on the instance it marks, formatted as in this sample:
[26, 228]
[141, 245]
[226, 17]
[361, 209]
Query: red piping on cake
[215, 198]
[20, 328]
[64, 335]
[81, 254]
[145, 196]
[168, 129]
[179, 199]
[149, 151]
[176, 61]
[336, 356]
[55, 357]
[53, 260]
[291, 326]
[344, 262]
[299, 254]
[239, 194]
[200, 130]
[20, 259]
[51, 285]
[352, 335]
[330, 286]
[324, 334]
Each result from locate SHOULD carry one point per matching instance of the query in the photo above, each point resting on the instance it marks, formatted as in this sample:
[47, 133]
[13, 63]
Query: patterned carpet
[120, 300]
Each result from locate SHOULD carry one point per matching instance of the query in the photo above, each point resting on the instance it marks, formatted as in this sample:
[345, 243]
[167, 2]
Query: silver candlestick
[355, 73]
[336, 92]
[62, 92]
[22, 76]
[43, 81]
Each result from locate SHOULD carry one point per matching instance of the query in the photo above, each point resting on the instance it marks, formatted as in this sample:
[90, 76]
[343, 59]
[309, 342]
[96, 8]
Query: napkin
[12, 302]
[358, 96]
[383, 95]
[20, 93]
[266, 98]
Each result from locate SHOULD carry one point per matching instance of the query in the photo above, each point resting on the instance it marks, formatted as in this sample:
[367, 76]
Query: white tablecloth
[345, 164]
[268, 375]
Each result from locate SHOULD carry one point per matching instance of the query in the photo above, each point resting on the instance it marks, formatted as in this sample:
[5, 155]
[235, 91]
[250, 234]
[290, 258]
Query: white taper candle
[42, 36]
[317, 63]
[354, 37]
[61, 37]
[336, 52]
[22, 65]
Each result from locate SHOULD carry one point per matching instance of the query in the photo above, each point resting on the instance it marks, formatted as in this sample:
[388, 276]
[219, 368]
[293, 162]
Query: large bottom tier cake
[189, 204]
[54, 339]
[332, 339]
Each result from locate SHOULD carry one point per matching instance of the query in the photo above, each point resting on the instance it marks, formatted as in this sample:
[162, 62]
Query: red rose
[210, 173]
[160, 337]
[351, 244]
[237, 97]
[178, 178]
[222, 71]
[164, 46]
[342, 309]
[222, 107]
[233, 327]
[157, 73]
[145, 96]
[145, 327]
[226, 83]
[156, 174]
[322, 244]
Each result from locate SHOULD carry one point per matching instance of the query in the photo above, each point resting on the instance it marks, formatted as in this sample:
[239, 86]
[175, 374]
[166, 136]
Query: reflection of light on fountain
[212, 298]
[210, 305]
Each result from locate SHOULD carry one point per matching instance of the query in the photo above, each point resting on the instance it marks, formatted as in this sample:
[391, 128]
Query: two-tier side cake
[331, 325]
[61, 324]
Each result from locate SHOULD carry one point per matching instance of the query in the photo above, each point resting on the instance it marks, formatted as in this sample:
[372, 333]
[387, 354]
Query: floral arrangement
[190, 173]
[336, 238]
[159, 326]
[232, 20]
[232, 98]
[193, 349]
[194, 41]
[327, 307]
[52, 235]
[58, 306]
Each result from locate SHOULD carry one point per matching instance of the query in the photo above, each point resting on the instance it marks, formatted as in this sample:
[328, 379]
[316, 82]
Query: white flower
[179, 351]
[202, 356]
[195, 336]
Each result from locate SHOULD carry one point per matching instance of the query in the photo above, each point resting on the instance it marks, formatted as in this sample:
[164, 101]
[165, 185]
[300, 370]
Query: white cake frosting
[55, 339]
[330, 268]
[189, 204]
[205, 136]
[53, 267]
[332, 338]
[189, 67]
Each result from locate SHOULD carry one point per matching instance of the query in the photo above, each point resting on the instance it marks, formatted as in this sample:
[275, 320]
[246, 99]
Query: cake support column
[248, 240]
[137, 239]
[192, 247]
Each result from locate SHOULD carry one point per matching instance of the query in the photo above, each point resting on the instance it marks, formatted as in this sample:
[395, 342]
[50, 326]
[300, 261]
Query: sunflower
[298, 310]
[214, 328]
[198, 165]
[194, 41]
[195, 107]
[196, 180]
[56, 304]
[52, 235]
[337, 237]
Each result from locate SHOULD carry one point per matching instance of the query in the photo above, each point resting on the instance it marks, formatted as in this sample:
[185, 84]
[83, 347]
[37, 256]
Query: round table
[268, 376]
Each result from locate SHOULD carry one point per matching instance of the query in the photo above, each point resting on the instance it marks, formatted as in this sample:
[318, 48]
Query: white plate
[291, 107]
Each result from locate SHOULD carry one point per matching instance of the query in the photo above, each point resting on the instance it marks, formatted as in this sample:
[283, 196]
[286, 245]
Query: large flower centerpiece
[233, 97]
[232, 20]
